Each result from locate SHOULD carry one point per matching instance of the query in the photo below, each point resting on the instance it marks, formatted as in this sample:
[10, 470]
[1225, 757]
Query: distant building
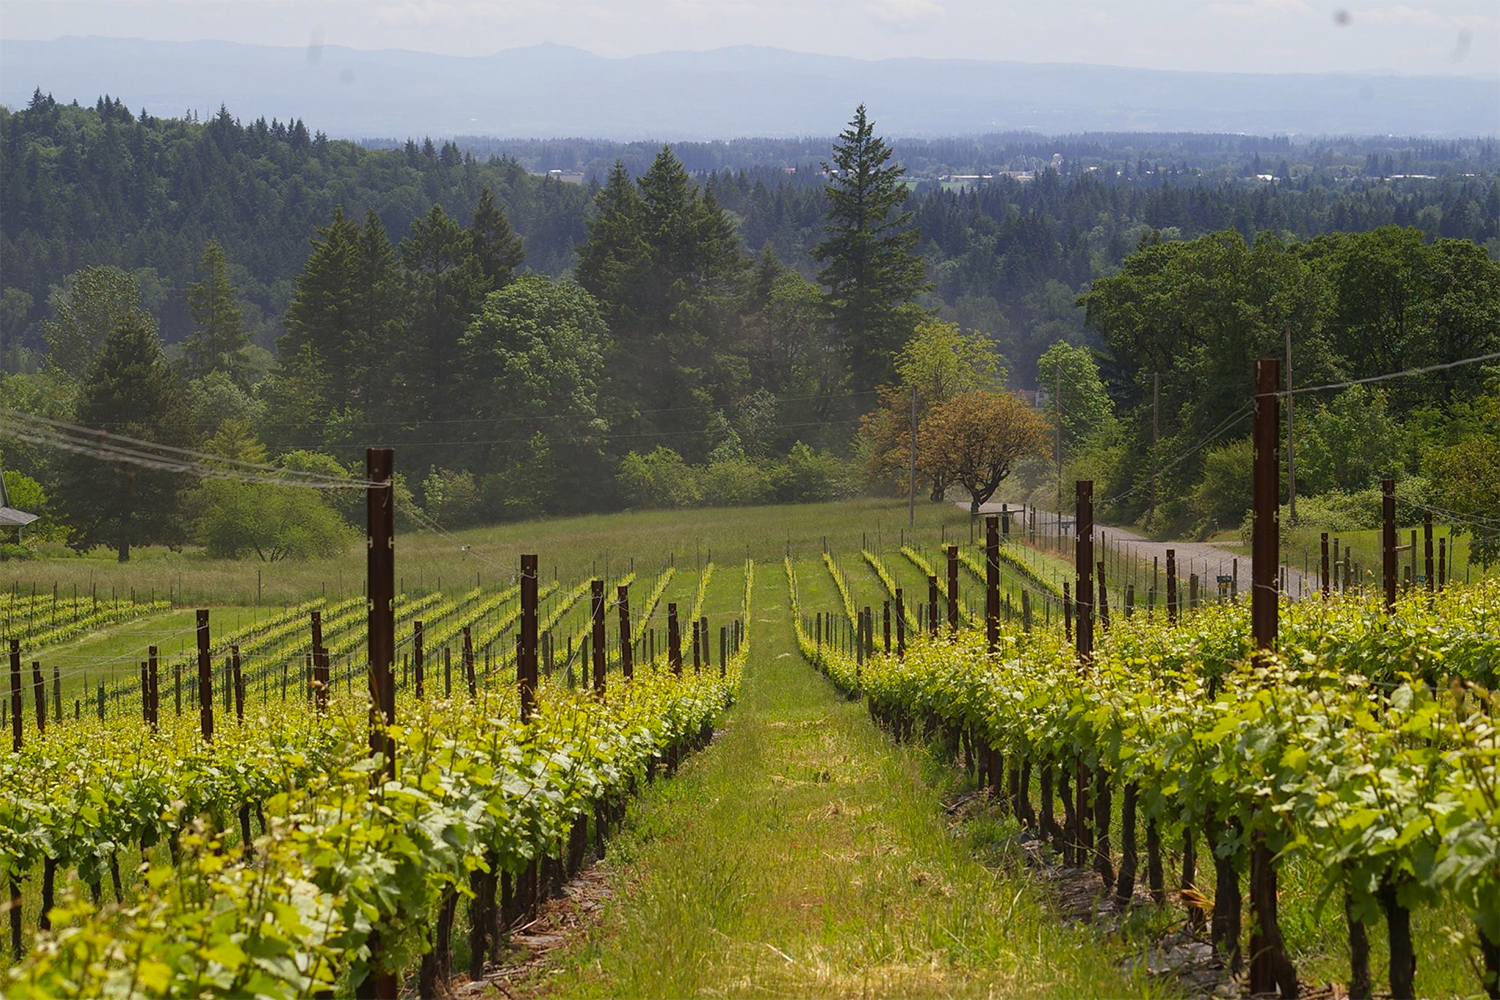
[10, 518]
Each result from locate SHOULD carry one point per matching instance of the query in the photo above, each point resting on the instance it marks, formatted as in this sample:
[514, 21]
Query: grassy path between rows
[803, 854]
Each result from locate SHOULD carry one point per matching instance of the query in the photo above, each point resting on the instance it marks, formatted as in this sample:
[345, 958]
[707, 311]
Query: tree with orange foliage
[977, 438]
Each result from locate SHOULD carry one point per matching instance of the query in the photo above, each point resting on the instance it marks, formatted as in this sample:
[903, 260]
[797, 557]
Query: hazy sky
[1237, 35]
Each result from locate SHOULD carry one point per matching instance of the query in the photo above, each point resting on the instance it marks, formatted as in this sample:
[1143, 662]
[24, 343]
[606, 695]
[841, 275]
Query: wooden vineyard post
[527, 637]
[674, 640]
[39, 689]
[1442, 565]
[1103, 597]
[1083, 632]
[1172, 585]
[205, 679]
[380, 610]
[1388, 541]
[886, 626]
[708, 659]
[320, 664]
[57, 711]
[697, 638]
[468, 655]
[932, 604]
[418, 664]
[723, 650]
[1326, 582]
[15, 705]
[151, 667]
[991, 584]
[622, 598]
[1270, 968]
[597, 640]
[1067, 601]
[900, 623]
[1427, 551]
[238, 681]
[953, 589]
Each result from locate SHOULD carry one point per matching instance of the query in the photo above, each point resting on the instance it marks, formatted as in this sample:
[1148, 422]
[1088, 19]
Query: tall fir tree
[868, 252]
[496, 245]
[380, 312]
[322, 319]
[446, 286]
[614, 250]
[218, 339]
[131, 390]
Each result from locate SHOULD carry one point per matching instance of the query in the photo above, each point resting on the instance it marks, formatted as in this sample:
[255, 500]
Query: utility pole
[1291, 463]
[911, 500]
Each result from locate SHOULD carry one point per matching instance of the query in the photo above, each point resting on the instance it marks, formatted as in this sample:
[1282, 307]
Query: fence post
[900, 623]
[526, 638]
[418, 659]
[953, 588]
[1172, 585]
[151, 665]
[1083, 561]
[15, 695]
[1326, 582]
[708, 660]
[697, 665]
[932, 604]
[627, 653]
[468, 655]
[886, 626]
[1442, 566]
[39, 687]
[674, 640]
[205, 679]
[596, 592]
[1388, 541]
[1103, 598]
[1427, 550]
[991, 583]
[239, 682]
[320, 664]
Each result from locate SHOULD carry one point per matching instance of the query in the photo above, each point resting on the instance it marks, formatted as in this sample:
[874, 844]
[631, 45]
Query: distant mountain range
[554, 91]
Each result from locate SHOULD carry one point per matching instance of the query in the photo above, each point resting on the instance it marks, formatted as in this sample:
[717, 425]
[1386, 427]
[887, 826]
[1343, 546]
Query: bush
[1222, 496]
[452, 498]
[659, 478]
[807, 475]
[736, 482]
[273, 522]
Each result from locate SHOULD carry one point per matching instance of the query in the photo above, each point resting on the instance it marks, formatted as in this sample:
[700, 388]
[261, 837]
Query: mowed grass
[805, 855]
[570, 548]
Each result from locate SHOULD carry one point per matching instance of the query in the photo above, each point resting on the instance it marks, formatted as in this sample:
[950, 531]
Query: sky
[1265, 36]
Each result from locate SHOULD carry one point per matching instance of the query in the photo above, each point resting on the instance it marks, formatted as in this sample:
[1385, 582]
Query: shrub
[736, 482]
[452, 498]
[659, 478]
[807, 475]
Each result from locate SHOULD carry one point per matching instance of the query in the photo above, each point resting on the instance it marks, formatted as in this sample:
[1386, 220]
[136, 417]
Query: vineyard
[225, 821]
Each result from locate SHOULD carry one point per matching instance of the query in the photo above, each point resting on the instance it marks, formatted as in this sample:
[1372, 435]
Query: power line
[1493, 356]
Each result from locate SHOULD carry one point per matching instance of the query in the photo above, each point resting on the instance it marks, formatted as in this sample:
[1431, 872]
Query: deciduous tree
[976, 439]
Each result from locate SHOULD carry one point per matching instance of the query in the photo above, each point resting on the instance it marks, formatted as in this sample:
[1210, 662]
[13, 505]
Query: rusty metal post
[205, 679]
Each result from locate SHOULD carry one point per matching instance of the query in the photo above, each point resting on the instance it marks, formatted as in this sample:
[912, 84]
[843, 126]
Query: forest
[663, 336]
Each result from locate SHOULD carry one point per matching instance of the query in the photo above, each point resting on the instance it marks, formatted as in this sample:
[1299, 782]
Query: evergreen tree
[496, 245]
[131, 390]
[614, 250]
[868, 252]
[446, 285]
[85, 309]
[219, 337]
[322, 319]
[380, 313]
